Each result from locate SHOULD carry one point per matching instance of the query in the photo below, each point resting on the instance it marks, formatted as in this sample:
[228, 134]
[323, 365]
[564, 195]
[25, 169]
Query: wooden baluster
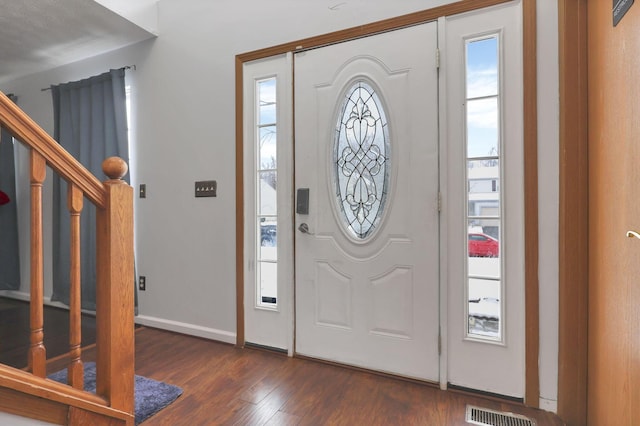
[115, 291]
[37, 352]
[75, 372]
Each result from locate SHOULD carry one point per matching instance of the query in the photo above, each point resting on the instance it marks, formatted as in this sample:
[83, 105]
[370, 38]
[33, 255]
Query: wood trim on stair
[30, 393]
[27, 395]
[23, 128]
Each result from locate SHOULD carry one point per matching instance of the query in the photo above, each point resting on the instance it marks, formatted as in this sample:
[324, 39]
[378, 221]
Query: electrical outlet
[143, 190]
[206, 188]
[142, 283]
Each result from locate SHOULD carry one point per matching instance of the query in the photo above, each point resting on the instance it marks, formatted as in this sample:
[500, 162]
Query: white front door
[367, 241]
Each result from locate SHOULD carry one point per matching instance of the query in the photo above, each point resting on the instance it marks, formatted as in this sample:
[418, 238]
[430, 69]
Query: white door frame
[529, 36]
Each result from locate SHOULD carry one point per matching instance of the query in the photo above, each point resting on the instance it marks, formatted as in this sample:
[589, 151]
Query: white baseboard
[549, 405]
[186, 328]
[163, 324]
[17, 295]
[26, 297]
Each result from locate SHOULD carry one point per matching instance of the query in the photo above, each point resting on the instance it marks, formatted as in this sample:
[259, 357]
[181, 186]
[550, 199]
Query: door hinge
[437, 58]
[439, 343]
[439, 201]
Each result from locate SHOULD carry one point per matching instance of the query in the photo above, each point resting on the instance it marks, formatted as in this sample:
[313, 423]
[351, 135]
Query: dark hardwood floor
[14, 331]
[225, 385]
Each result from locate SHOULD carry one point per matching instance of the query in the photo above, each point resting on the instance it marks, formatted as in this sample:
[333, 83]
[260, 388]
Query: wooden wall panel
[614, 208]
[573, 215]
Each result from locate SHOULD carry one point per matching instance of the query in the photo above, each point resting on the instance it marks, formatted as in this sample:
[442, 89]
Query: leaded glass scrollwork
[361, 159]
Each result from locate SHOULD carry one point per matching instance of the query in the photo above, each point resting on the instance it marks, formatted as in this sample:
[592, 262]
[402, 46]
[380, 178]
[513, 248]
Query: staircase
[29, 393]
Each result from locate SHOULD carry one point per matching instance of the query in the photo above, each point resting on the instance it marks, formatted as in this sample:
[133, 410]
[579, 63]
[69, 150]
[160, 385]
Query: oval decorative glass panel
[361, 154]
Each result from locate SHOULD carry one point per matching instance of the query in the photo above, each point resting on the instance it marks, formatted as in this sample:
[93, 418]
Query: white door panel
[268, 324]
[370, 302]
[496, 363]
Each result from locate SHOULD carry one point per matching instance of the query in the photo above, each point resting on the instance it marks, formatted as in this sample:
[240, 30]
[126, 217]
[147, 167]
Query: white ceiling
[36, 35]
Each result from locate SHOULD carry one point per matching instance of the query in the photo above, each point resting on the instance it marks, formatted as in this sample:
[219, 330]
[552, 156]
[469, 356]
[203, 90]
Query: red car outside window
[483, 245]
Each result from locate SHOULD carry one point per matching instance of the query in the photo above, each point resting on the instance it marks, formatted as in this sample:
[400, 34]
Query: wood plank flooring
[14, 331]
[225, 385]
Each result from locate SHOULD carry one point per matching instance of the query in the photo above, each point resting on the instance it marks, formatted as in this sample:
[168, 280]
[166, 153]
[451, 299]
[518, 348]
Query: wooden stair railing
[24, 393]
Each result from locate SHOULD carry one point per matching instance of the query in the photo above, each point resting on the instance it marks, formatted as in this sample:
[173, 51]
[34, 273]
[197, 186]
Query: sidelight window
[484, 196]
[266, 204]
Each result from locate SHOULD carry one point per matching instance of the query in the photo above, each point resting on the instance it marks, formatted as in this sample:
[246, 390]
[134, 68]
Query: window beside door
[484, 219]
[266, 213]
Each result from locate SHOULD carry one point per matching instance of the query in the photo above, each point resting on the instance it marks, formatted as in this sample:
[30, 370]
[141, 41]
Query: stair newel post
[37, 353]
[76, 370]
[115, 290]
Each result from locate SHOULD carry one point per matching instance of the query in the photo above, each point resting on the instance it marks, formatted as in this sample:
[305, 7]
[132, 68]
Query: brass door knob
[632, 234]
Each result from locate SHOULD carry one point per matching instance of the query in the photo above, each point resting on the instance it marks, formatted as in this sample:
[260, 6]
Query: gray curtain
[90, 121]
[9, 253]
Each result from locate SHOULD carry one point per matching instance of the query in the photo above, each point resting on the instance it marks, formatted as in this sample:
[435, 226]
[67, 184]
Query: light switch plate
[206, 188]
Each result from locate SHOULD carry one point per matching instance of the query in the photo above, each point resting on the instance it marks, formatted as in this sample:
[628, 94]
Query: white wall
[184, 112]
[143, 13]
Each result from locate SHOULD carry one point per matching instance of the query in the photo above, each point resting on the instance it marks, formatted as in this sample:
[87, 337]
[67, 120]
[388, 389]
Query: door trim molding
[368, 29]
[530, 145]
[531, 249]
[574, 213]
[239, 202]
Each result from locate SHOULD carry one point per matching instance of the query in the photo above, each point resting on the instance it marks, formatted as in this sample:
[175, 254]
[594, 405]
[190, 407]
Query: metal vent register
[485, 417]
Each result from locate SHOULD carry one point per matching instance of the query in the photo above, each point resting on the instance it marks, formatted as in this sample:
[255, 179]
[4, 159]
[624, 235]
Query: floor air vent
[485, 417]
